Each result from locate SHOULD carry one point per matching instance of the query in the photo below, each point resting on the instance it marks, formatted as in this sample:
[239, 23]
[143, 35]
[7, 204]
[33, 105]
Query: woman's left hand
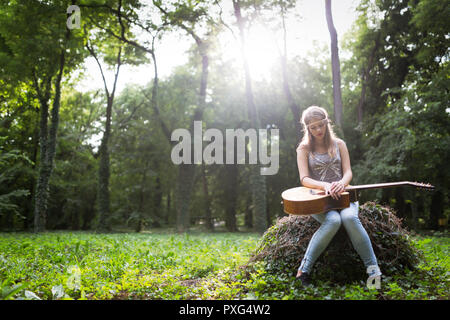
[337, 187]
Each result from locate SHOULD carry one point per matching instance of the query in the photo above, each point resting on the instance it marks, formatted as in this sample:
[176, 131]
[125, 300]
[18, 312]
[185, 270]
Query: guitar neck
[377, 185]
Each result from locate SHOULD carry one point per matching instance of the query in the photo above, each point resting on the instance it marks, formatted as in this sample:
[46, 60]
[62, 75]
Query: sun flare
[262, 52]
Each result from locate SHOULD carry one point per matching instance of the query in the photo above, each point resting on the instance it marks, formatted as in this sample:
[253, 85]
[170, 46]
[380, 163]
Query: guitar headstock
[421, 185]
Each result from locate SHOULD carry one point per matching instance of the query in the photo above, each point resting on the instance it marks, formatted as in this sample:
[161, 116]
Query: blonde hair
[308, 140]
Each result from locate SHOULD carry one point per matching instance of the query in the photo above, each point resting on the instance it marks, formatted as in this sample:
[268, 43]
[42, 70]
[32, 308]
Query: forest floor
[197, 265]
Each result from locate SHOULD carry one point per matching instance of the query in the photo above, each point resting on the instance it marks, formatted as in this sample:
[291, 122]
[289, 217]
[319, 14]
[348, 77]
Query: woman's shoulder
[303, 147]
[341, 146]
[339, 142]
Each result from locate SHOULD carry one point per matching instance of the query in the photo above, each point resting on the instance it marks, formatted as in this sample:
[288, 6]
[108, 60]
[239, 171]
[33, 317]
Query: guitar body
[304, 201]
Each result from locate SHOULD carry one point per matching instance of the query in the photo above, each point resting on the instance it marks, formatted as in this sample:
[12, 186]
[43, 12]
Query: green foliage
[402, 62]
[429, 281]
[72, 185]
[12, 165]
[402, 59]
[190, 266]
[32, 47]
[123, 266]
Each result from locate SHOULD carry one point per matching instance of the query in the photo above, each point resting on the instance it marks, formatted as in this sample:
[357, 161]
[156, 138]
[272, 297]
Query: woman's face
[318, 128]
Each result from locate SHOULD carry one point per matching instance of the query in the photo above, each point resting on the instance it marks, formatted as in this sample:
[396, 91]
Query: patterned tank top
[324, 168]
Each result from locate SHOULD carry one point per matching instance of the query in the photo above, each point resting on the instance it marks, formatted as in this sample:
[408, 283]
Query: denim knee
[333, 220]
[349, 218]
[350, 215]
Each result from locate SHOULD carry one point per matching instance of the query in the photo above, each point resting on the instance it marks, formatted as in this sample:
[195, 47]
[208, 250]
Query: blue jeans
[330, 223]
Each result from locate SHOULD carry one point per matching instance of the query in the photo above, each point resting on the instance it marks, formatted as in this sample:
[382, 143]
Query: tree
[293, 106]
[32, 50]
[258, 181]
[126, 16]
[73, 188]
[115, 53]
[406, 136]
[19, 132]
[11, 163]
[103, 172]
[188, 16]
[337, 95]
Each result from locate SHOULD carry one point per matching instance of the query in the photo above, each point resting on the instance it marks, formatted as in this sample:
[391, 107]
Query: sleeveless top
[324, 168]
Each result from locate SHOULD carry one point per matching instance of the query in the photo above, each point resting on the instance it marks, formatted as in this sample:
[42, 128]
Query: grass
[78, 265]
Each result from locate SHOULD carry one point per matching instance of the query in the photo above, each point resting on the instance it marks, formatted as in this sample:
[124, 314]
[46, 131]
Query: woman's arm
[339, 186]
[302, 164]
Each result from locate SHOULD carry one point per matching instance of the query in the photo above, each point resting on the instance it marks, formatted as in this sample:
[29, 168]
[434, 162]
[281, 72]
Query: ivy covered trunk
[104, 173]
[47, 142]
[41, 196]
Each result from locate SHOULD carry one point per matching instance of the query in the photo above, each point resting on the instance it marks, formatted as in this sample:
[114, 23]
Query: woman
[324, 163]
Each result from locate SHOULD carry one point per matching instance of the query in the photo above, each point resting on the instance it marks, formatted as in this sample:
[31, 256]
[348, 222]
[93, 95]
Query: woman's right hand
[327, 188]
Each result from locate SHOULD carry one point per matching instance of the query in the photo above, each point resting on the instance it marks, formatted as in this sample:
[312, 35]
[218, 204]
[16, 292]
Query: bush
[283, 246]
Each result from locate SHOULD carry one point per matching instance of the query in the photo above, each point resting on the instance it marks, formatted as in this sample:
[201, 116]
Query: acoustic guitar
[305, 201]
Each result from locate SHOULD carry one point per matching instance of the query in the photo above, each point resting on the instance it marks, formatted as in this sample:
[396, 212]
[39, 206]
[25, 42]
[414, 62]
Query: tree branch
[92, 52]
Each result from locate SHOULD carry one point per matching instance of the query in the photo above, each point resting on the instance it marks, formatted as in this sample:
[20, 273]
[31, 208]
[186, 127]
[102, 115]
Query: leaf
[31, 295]
[58, 292]
[8, 292]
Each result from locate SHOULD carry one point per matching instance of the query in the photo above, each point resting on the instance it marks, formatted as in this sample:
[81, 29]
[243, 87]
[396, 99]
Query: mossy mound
[284, 245]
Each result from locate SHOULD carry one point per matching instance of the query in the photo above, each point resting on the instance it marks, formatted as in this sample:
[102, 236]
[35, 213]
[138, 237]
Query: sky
[171, 51]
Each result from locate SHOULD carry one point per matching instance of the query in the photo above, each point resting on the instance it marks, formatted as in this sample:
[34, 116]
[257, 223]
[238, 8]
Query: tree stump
[283, 246]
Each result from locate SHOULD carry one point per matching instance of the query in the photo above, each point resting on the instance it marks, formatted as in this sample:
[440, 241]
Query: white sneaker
[374, 279]
[373, 271]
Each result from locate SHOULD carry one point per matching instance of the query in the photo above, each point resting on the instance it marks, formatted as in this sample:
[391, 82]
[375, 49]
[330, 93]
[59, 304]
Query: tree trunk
[104, 174]
[257, 181]
[185, 183]
[337, 96]
[436, 209]
[157, 200]
[295, 109]
[89, 213]
[364, 78]
[169, 207]
[187, 171]
[207, 202]
[41, 196]
[399, 202]
[28, 221]
[103, 169]
[231, 196]
[141, 221]
[248, 213]
[414, 211]
[47, 148]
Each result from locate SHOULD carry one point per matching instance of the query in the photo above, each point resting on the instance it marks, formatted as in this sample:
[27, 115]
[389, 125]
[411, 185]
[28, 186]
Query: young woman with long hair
[324, 163]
